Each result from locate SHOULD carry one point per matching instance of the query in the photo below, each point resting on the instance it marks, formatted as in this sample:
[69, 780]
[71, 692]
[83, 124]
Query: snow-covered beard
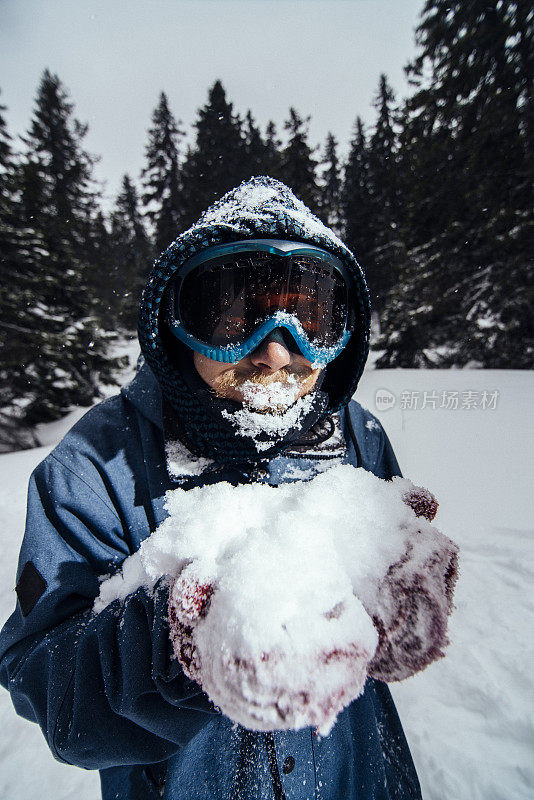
[273, 406]
[272, 393]
[204, 422]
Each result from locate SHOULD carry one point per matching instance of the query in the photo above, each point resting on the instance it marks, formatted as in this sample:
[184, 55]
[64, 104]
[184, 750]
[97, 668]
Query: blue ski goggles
[225, 300]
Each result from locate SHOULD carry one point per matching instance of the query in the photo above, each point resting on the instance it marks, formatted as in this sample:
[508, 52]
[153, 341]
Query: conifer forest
[435, 199]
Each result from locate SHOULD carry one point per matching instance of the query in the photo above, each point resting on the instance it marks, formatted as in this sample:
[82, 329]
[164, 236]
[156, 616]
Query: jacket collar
[145, 394]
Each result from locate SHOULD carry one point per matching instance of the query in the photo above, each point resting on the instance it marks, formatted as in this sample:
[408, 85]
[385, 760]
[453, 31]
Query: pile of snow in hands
[283, 599]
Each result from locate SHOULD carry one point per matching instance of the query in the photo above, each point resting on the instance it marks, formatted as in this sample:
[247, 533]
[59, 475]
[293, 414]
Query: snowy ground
[469, 718]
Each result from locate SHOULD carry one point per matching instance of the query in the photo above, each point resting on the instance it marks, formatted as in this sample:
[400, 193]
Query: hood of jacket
[260, 208]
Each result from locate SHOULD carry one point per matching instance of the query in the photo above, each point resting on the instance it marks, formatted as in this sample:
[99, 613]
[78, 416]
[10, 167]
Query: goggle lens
[223, 301]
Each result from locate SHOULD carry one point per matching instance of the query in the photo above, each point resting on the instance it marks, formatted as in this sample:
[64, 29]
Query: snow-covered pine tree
[65, 353]
[429, 192]
[298, 165]
[499, 299]
[330, 185]
[14, 323]
[97, 257]
[131, 253]
[388, 248]
[10, 256]
[356, 202]
[163, 192]
[469, 220]
[522, 54]
[218, 160]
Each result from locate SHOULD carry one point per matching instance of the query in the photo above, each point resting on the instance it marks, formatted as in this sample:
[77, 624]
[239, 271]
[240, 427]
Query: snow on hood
[258, 208]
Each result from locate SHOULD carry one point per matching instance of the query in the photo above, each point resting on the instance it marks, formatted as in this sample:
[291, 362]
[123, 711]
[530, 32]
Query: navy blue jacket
[105, 689]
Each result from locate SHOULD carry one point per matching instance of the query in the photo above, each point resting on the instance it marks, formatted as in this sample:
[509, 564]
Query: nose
[271, 354]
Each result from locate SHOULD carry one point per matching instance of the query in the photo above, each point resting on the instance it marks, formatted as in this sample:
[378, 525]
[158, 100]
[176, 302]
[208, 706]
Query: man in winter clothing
[105, 688]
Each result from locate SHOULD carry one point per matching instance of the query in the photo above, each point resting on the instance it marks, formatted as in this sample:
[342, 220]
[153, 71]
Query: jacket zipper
[278, 790]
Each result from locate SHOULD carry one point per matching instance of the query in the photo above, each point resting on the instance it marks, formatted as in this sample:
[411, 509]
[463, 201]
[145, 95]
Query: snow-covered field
[469, 718]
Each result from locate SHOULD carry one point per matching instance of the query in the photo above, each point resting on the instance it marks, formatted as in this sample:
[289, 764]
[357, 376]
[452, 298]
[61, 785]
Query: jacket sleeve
[386, 465]
[368, 436]
[103, 687]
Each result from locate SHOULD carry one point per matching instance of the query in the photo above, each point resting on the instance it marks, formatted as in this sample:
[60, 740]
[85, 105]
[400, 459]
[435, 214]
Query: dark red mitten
[422, 501]
[189, 601]
[280, 691]
[412, 606]
[286, 685]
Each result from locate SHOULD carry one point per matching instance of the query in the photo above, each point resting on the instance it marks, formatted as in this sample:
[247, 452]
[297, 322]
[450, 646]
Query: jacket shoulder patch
[30, 587]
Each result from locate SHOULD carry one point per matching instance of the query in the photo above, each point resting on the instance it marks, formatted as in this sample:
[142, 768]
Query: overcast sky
[322, 56]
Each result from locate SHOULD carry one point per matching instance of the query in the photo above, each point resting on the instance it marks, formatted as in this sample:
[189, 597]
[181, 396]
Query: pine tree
[383, 151]
[330, 188]
[273, 156]
[163, 195]
[218, 160]
[8, 230]
[522, 57]
[14, 329]
[383, 271]
[63, 354]
[298, 165]
[255, 147]
[5, 147]
[130, 253]
[466, 190]
[357, 208]
[97, 268]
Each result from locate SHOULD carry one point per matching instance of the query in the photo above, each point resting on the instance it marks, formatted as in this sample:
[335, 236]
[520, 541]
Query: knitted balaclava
[260, 208]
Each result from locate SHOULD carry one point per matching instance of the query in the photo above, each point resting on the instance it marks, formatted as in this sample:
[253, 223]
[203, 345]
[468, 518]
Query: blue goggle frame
[231, 354]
